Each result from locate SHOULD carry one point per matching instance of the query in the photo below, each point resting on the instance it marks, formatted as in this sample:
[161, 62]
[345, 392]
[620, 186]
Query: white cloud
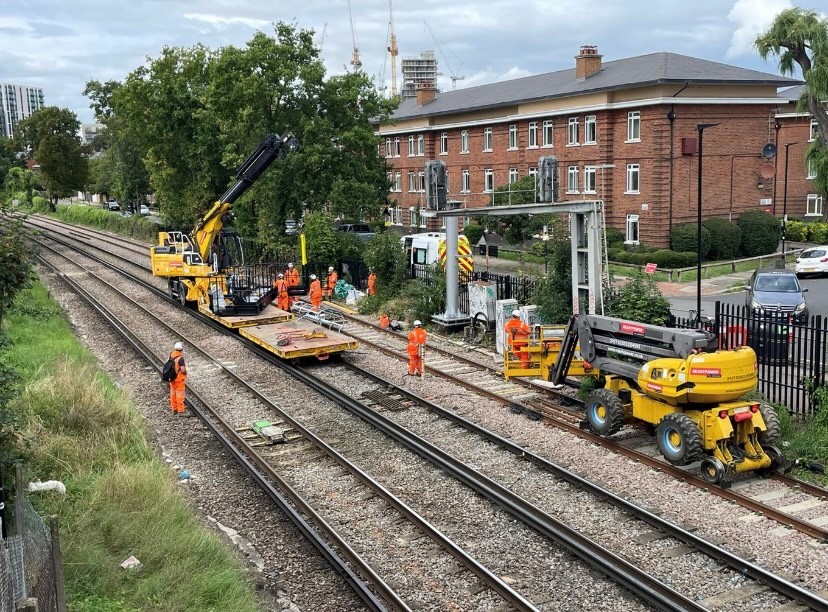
[219, 21]
[751, 18]
[14, 23]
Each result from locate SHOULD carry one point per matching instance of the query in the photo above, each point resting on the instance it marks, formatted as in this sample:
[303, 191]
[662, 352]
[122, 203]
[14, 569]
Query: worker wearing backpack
[178, 382]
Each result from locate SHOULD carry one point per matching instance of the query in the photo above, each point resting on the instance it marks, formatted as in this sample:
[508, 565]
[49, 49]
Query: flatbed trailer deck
[295, 339]
[270, 314]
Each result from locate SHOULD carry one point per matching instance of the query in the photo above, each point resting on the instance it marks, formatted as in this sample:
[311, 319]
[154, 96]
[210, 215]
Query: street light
[700, 127]
[785, 200]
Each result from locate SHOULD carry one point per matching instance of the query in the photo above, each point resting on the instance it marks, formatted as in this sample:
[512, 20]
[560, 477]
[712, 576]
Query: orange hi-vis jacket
[517, 332]
[315, 292]
[372, 283]
[416, 338]
[282, 299]
[384, 321]
[331, 282]
[292, 277]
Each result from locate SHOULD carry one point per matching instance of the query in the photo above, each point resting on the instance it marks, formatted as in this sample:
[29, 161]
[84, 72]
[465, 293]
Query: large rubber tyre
[182, 294]
[712, 470]
[604, 412]
[679, 439]
[171, 287]
[773, 432]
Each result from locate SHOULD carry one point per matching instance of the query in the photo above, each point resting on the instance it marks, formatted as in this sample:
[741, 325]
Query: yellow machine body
[543, 349]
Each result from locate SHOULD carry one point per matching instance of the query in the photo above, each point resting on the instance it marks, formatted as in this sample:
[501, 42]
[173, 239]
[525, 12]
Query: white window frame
[388, 148]
[513, 136]
[398, 181]
[633, 126]
[533, 172]
[572, 132]
[399, 220]
[464, 141]
[412, 216]
[513, 175]
[810, 172]
[421, 176]
[397, 146]
[572, 179]
[420, 145]
[488, 138]
[813, 205]
[633, 179]
[590, 179]
[411, 145]
[448, 182]
[465, 184]
[488, 180]
[422, 217]
[412, 181]
[633, 230]
[590, 129]
[390, 181]
[533, 135]
[548, 133]
[443, 143]
[814, 131]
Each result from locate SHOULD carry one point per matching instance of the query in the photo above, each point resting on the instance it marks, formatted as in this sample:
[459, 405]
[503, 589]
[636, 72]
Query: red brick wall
[796, 130]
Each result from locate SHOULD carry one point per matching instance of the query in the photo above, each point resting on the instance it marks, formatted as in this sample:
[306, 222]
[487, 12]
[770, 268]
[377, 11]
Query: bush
[638, 300]
[817, 232]
[725, 238]
[615, 238]
[666, 258]
[473, 232]
[684, 238]
[797, 231]
[761, 233]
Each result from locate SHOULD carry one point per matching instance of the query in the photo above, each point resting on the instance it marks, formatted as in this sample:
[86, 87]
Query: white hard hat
[330, 268]
[417, 323]
[281, 275]
[515, 313]
[178, 346]
[313, 276]
[290, 265]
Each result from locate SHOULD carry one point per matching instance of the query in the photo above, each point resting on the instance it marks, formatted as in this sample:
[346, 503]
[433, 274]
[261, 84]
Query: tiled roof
[792, 93]
[651, 69]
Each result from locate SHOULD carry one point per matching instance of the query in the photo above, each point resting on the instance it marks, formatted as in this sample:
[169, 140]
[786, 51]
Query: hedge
[663, 258]
[761, 233]
[726, 238]
[685, 238]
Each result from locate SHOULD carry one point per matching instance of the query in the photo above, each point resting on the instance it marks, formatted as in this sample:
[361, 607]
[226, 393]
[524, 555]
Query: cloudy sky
[60, 44]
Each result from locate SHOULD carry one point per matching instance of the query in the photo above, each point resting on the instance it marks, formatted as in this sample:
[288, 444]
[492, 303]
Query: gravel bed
[783, 551]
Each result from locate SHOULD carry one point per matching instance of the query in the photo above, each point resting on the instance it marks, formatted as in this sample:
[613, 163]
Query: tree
[8, 159]
[518, 228]
[320, 238]
[386, 258]
[553, 293]
[639, 299]
[50, 135]
[800, 37]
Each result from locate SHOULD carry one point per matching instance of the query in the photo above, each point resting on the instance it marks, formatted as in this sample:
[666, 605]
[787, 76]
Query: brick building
[622, 131]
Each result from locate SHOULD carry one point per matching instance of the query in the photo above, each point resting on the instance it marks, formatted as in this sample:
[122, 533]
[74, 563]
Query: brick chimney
[425, 93]
[587, 62]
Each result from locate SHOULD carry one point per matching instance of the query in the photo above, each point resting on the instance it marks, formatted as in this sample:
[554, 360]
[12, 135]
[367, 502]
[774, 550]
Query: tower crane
[320, 42]
[454, 74]
[392, 49]
[355, 61]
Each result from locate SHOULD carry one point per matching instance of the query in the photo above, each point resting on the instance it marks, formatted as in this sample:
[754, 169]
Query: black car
[776, 294]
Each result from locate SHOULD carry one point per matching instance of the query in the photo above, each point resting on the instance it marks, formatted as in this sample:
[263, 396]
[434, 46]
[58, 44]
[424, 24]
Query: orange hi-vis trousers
[177, 394]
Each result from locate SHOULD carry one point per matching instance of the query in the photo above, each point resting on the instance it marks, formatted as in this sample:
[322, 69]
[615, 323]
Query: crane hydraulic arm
[271, 148]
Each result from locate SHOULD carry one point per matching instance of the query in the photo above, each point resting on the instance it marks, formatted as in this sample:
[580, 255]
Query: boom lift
[207, 266]
[677, 381]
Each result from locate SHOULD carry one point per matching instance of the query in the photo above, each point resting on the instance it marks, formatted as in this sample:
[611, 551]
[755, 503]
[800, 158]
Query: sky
[59, 45]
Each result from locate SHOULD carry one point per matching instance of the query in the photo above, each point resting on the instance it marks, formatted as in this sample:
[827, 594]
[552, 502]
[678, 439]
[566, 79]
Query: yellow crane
[355, 61]
[392, 49]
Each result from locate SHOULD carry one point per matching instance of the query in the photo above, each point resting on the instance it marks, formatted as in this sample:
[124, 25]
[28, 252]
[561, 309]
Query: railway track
[512, 402]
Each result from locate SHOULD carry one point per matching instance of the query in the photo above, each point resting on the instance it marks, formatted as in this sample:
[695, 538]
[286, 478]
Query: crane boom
[356, 62]
[392, 49]
[454, 74]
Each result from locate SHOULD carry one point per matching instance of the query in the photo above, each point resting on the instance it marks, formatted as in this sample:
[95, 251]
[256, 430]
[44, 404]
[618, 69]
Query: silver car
[812, 261]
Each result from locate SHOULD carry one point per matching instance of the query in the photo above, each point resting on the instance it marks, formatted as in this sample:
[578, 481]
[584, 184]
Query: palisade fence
[506, 286]
[791, 358]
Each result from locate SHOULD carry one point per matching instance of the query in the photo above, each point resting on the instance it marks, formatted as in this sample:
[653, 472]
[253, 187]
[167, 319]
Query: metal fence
[791, 357]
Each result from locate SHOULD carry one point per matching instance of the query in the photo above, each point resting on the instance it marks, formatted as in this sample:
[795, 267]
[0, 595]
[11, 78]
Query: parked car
[363, 230]
[113, 205]
[812, 261]
[776, 294]
[143, 210]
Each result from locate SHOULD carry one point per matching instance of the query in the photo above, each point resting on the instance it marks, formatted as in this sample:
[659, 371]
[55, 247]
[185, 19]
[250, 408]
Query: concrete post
[452, 269]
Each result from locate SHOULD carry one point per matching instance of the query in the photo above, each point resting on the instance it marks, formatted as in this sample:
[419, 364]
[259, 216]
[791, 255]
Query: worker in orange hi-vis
[517, 337]
[178, 387]
[372, 283]
[292, 279]
[416, 346]
[315, 292]
[330, 283]
[384, 321]
[282, 298]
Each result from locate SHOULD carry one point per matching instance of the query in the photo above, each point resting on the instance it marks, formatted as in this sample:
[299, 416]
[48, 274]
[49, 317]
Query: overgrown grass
[134, 226]
[121, 500]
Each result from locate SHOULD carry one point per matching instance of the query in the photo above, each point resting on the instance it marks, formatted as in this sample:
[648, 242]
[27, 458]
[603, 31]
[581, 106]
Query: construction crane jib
[356, 62]
[392, 50]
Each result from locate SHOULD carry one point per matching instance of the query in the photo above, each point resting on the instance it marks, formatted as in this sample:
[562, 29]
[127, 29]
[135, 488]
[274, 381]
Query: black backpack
[168, 372]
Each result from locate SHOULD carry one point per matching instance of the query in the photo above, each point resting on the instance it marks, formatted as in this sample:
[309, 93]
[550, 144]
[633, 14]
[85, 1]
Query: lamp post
[700, 127]
[785, 200]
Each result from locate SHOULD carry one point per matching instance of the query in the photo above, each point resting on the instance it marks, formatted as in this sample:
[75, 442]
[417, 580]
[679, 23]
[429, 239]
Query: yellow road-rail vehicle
[206, 270]
[675, 380]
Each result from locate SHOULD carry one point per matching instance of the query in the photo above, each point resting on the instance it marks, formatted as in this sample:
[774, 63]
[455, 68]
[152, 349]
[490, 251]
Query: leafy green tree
[386, 258]
[9, 159]
[20, 180]
[639, 299]
[518, 228]
[50, 135]
[800, 37]
[553, 293]
[320, 238]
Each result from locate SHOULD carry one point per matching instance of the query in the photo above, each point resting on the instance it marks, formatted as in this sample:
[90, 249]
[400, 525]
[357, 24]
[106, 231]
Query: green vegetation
[473, 232]
[725, 238]
[637, 300]
[553, 291]
[802, 231]
[78, 427]
[761, 233]
[684, 237]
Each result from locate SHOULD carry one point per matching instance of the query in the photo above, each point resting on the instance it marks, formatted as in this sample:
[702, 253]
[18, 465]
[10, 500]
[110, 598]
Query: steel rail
[477, 568]
[735, 562]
